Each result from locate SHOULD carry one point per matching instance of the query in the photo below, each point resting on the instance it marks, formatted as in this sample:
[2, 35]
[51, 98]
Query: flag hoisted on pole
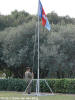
[41, 14]
[46, 24]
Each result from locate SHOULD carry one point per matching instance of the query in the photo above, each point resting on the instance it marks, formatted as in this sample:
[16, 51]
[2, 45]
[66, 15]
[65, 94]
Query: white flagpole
[38, 85]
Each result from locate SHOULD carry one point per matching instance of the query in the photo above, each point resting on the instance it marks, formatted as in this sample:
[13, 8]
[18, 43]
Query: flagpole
[38, 85]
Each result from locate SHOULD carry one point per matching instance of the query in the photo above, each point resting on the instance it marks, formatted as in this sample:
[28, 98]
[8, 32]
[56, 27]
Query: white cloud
[61, 7]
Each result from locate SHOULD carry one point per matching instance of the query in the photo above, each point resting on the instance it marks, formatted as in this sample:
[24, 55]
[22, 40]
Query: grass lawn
[58, 97]
[21, 96]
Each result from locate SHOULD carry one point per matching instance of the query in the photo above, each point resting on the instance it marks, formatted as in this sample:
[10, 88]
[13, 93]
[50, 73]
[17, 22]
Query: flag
[43, 16]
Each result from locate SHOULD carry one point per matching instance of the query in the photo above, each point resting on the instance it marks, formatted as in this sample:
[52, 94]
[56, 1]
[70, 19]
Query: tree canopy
[57, 47]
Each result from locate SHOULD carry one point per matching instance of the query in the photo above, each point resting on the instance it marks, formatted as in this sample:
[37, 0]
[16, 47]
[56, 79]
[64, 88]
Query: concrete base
[40, 94]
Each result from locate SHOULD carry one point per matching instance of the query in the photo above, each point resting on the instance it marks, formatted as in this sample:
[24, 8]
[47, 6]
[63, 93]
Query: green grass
[58, 97]
[20, 95]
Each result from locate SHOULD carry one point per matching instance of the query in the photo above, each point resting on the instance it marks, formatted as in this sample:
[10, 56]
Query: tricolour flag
[42, 15]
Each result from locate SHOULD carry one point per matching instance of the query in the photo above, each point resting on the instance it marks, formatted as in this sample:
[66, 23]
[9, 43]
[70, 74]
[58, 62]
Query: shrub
[57, 85]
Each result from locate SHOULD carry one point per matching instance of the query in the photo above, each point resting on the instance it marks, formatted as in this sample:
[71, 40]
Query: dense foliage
[57, 85]
[17, 43]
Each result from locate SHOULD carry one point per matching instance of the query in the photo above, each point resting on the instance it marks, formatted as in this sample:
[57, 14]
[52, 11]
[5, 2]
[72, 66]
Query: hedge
[57, 85]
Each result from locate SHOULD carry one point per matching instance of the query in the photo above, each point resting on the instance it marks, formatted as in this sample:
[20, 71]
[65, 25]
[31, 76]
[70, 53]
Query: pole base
[39, 93]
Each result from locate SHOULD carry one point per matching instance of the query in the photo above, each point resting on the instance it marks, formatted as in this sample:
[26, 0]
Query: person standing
[29, 76]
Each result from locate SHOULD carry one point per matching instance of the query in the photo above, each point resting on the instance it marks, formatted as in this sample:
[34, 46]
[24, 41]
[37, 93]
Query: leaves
[57, 47]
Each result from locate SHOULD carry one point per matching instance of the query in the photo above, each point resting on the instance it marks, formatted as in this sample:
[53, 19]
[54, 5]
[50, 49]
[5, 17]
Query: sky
[61, 7]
